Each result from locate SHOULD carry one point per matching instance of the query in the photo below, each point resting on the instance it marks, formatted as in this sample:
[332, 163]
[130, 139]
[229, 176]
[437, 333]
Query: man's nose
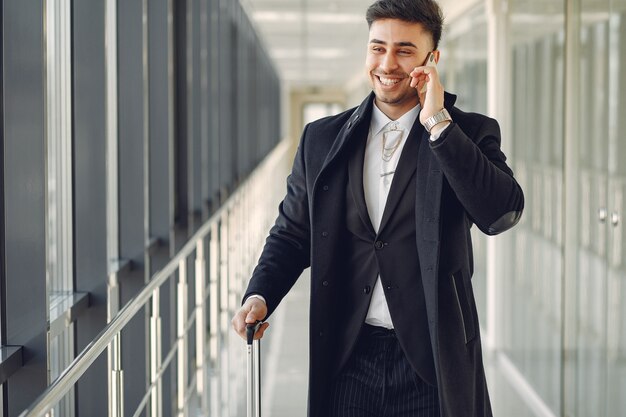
[389, 62]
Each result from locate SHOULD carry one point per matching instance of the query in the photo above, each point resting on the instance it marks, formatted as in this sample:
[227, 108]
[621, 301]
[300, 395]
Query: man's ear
[437, 55]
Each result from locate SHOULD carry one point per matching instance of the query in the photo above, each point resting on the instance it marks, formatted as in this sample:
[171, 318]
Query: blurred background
[145, 146]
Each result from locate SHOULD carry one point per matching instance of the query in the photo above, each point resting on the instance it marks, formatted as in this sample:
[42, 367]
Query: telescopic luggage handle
[254, 371]
[251, 330]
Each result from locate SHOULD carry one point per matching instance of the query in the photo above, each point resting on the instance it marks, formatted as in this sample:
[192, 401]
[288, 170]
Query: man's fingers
[261, 331]
[419, 77]
[239, 323]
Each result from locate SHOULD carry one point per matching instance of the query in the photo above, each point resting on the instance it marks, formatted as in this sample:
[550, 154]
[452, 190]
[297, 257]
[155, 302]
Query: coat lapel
[361, 115]
[355, 178]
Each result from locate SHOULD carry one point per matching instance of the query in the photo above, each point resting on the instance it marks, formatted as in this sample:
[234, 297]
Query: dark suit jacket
[462, 179]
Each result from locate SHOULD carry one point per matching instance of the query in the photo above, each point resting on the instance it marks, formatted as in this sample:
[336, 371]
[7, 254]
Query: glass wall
[525, 324]
[592, 239]
[529, 296]
[601, 274]
[616, 204]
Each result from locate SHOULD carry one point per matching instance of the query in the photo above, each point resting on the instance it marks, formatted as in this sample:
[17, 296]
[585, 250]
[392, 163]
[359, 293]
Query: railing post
[116, 384]
[235, 290]
[114, 353]
[182, 363]
[214, 317]
[156, 355]
[200, 327]
[224, 316]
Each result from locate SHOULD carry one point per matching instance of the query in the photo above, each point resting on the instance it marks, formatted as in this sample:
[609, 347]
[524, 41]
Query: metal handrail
[66, 380]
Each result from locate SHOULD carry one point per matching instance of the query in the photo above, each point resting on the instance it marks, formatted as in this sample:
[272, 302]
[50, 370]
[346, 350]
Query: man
[380, 203]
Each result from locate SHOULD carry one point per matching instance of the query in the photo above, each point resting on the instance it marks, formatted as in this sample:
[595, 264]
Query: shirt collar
[380, 119]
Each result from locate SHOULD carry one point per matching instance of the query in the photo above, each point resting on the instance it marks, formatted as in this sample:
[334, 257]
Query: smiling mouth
[388, 81]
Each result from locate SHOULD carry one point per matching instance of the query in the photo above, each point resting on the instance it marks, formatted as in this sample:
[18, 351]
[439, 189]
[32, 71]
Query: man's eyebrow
[401, 44]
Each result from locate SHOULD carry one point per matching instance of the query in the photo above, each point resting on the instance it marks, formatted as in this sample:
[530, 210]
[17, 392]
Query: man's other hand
[250, 312]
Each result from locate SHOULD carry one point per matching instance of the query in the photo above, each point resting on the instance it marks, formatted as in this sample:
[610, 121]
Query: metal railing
[225, 249]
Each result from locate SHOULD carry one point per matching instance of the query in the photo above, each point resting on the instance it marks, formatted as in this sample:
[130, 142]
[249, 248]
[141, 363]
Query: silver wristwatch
[439, 117]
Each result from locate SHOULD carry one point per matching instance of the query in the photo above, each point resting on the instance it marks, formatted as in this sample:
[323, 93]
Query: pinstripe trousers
[378, 381]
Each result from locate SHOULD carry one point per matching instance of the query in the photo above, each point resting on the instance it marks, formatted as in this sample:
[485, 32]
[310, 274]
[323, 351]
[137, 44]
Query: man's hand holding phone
[429, 89]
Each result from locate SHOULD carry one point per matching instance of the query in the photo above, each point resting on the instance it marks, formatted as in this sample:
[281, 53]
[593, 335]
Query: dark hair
[426, 12]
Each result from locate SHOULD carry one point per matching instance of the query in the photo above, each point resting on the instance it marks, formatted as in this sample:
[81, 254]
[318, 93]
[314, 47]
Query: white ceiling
[317, 42]
[312, 42]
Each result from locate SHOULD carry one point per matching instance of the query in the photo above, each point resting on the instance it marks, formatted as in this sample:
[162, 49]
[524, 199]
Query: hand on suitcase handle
[252, 312]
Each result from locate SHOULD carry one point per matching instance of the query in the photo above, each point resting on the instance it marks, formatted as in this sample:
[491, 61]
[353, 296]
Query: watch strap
[439, 117]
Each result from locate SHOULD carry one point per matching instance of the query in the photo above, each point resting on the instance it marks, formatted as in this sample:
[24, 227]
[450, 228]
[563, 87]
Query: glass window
[616, 303]
[59, 149]
[592, 183]
[463, 63]
[531, 268]
[600, 319]
[59, 200]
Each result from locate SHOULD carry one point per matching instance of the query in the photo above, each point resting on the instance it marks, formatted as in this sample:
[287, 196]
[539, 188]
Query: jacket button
[325, 283]
[321, 334]
[325, 188]
[379, 244]
[367, 289]
[324, 234]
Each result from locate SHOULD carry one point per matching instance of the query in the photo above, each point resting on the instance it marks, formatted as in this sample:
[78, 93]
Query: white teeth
[388, 81]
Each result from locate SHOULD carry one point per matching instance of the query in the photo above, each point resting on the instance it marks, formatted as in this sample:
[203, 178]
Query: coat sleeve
[477, 172]
[287, 248]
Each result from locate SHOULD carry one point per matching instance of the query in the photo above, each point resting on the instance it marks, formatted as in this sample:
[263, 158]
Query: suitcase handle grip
[251, 329]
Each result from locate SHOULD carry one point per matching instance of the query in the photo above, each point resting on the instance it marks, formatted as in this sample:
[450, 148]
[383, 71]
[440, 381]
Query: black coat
[462, 179]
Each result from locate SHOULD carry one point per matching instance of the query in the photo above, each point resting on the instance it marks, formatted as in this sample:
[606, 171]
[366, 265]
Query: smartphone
[430, 62]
